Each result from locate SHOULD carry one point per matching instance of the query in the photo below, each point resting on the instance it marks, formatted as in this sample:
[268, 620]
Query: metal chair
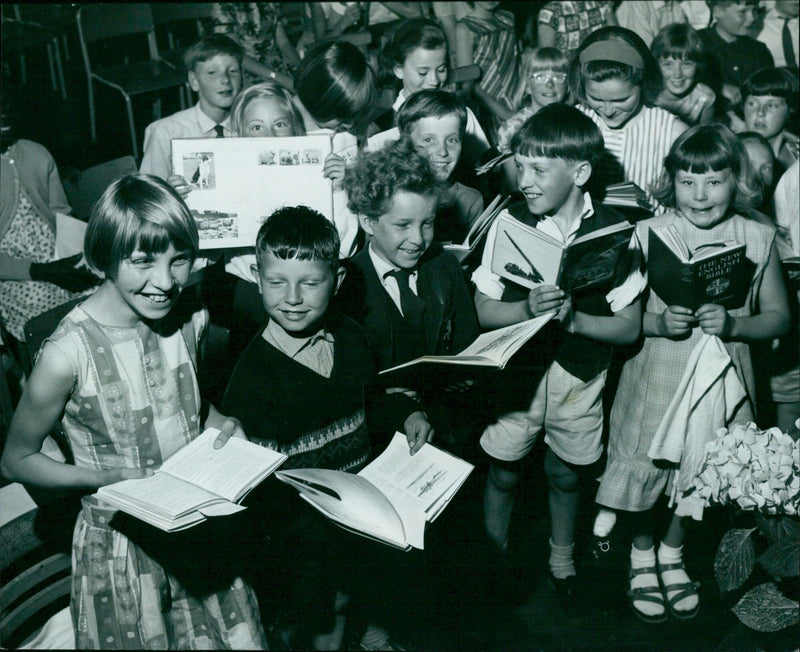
[111, 21]
[174, 16]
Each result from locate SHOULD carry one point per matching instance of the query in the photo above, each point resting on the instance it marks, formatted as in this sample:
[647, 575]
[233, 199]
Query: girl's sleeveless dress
[495, 51]
[650, 379]
[637, 149]
[136, 401]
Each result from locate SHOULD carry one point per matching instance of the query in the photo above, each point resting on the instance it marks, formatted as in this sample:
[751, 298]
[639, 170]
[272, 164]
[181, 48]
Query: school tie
[788, 48]
[220, 131]
[411, 305]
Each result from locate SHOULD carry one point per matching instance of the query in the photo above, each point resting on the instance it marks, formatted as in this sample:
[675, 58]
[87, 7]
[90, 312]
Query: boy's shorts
[571, 412]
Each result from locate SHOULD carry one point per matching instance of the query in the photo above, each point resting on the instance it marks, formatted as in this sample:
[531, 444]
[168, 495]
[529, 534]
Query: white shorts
[571, 412]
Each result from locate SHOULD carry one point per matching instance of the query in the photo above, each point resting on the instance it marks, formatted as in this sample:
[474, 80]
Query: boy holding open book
[299, 388]
[564, 371]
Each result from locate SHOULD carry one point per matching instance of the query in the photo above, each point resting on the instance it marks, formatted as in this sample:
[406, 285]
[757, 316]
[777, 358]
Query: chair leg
[59, 68]
[132, 127]
[51, 67]
[92, 116]
[23, 74]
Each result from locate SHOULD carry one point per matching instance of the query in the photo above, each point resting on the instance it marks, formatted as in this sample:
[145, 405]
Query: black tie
[411, 305]
[220, 131]
[788, 48]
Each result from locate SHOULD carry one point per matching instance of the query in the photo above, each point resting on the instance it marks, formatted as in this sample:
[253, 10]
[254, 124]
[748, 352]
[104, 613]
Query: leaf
[765, 609]
[782, 558]
[735, 559]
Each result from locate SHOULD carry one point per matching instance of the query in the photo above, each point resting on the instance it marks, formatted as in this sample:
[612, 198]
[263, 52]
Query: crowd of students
[688, 106]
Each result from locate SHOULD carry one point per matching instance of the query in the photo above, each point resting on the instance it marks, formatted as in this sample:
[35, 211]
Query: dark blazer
[449, 321]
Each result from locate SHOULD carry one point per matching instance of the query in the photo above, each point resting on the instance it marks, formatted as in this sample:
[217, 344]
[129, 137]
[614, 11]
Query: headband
[613, 50]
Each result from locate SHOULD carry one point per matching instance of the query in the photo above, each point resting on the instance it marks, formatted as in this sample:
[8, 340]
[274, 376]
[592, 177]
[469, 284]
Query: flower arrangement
[757, 471]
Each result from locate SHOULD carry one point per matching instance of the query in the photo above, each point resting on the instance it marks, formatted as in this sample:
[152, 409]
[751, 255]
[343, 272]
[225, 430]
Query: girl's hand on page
[418, 430]
[714, 320]
[230, 428]
[544, 299]
[676, 321]
[181, 186]
[334, 169]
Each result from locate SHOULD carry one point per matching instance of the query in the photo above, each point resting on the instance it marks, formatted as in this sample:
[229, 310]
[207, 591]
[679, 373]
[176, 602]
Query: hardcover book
[389, 500]
[712, 273]
[477, 230]
[195, 483]
[529, 257]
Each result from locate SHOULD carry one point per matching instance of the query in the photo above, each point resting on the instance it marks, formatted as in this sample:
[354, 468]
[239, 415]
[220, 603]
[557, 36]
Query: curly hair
[377, 176]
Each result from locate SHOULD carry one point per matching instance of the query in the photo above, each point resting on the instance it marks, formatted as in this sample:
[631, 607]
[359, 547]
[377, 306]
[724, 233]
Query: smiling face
[546, 87]
[703, 198]
[405, 231]
[217, 81]
[733, 20]
[266, 117]
[765, 114]
[615, 100]
[423, 69]
[146, 286]
[547, 183]
[438, 140]
[295, 292]
[679, 75]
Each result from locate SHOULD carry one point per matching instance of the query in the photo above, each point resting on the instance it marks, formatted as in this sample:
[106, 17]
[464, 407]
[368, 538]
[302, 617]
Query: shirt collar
[381, 265]
[206, 123]
[291, 346]
[401, 98]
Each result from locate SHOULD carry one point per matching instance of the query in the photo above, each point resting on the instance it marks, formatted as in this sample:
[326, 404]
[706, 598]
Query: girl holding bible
[707, 188]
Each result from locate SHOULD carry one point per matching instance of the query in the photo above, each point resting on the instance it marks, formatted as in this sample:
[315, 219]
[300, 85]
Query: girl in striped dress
[486, 37]
[120, 373]
[708, 188]
[616, 82]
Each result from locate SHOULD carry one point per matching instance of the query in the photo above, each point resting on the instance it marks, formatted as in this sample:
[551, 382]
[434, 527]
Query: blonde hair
[539, 60]
[264, 90]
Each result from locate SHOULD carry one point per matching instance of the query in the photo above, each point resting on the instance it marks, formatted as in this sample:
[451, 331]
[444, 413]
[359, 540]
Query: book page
[160, 494]
[669, 235]
[238, 182]
[229, 471]
[496, 344]
[421, 479]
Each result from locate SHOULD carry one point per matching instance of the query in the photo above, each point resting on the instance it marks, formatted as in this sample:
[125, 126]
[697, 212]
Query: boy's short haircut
[299, 232]
[138, 212]
[560, 131]
[209, 47]
[263, 90]
[709, 148]
[376, 176]
[430, 103]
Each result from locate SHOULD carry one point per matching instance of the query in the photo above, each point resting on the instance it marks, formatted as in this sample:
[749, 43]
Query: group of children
[327, 306]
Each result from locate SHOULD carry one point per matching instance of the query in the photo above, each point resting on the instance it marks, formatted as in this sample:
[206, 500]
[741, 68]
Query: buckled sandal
[647, 594]
[684, 590]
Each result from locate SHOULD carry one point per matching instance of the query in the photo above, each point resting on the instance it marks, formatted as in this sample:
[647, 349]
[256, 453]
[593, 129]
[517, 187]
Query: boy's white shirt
[620, 297]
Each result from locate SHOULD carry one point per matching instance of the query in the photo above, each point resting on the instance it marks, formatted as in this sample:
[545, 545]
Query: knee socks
[561, 563]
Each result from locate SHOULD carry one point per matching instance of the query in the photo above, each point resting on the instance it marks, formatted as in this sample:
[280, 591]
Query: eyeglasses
[544, 77]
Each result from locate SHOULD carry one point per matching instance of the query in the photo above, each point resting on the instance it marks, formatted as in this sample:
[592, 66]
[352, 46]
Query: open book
[238, 182]
[196, 482]
[491, 349]
[713, 273]
[627, 195]
[389, 500]
[477, 230]
[530, 257]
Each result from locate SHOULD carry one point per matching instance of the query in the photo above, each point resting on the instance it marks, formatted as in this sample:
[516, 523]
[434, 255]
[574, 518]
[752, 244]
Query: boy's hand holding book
[550, 298]
[418, 431]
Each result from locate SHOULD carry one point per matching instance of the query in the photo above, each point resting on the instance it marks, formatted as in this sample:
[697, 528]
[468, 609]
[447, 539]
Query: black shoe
[566, 590]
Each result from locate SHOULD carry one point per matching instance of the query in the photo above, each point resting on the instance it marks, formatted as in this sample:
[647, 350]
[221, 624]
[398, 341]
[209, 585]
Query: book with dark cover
[529, 257]
[713, 273]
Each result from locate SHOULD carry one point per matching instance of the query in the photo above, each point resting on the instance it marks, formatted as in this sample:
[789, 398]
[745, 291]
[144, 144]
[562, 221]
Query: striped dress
[637, 149]
[136, 401]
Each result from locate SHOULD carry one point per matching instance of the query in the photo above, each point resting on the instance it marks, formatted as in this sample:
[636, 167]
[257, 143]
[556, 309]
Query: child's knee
[504, 476]
[559, 474]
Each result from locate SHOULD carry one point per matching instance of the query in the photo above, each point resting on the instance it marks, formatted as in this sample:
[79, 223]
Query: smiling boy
[214, 73]
[564, 368]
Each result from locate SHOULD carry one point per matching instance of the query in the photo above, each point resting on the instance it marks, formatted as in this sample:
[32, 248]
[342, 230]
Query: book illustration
[198, 169]
[197, 482]
[716, 272]
[216, 225]
[530, 257]
[392, 498]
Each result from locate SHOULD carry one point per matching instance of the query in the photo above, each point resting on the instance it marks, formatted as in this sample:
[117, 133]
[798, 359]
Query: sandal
[684, 590]
[646, 594]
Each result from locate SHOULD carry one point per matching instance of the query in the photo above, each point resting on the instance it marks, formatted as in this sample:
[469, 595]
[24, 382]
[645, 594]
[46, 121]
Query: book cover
[477, 230]
[529, 257]
[389, 500]
[197, 482]
[715, 273]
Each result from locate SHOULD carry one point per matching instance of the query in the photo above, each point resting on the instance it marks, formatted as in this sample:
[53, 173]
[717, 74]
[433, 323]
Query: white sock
[604, 522]
[669, 555]
[645, 559]
[561, 563]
